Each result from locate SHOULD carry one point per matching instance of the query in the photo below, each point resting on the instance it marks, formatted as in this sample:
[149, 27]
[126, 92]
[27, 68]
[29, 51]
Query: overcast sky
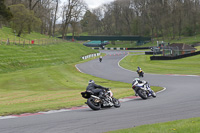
[94, 3]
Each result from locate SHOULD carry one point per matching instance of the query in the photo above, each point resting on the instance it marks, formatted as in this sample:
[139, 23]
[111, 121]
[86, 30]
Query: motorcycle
[96, 103]
[140, 73]
[100, 59]
[142, 88]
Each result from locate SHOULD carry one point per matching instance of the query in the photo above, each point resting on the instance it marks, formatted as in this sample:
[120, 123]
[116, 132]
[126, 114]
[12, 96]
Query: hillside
[14, 57]
[37, 78]
[19, 57]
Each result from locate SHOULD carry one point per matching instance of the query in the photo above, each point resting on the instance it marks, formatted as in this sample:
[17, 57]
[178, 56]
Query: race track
[180, 100]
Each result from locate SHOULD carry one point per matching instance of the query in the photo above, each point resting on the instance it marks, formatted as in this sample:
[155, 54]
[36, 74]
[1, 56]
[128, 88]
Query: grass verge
[43, 77]
[180, 126]
[40, 78]
[52, 87]
[189, 65]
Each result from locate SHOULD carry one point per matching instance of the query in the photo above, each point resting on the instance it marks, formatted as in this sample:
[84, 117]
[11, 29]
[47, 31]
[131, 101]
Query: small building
[176, 49]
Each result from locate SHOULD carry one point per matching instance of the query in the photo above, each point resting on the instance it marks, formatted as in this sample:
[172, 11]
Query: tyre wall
[174, 57]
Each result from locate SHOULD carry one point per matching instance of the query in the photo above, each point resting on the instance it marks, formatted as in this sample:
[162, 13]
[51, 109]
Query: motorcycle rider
[138, 69]
[100, 58]
[96, 89]
[144, 83]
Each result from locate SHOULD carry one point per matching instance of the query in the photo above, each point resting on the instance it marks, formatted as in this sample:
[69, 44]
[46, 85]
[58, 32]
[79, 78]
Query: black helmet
[91, 81]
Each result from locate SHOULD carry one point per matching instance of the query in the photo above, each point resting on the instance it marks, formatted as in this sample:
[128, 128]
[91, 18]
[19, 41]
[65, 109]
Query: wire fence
[22, 41]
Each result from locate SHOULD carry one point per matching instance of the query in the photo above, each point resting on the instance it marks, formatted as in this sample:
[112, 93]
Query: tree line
[155, 18]
[41, 16]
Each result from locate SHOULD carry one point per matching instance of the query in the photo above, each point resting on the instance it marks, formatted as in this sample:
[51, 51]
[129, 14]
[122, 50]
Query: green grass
[50, 87]
[43, 77]
[180, 126]
[189, 65]
[47, 88]
[6, 32]
[198, 48]
[186, 40]
[39, 78]
[19, 58]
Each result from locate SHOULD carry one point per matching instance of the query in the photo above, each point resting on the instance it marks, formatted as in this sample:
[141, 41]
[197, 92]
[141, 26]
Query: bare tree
[77, 16]
[68, 13]
[55, 18]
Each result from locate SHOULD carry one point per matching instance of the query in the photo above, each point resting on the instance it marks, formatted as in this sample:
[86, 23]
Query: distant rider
[142, 82]
[140, 72]
[138, 69]
[97, 89]
[100, 58]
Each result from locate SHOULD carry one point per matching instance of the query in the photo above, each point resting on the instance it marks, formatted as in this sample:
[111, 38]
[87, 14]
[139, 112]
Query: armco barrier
[174, 57]
[138, 48]
[151, 52]
[97, 48]
[90, 56]
[122, 48]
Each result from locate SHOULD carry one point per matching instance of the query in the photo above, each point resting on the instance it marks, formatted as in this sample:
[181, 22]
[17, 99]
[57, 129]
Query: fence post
[23, 43]
[8, 42]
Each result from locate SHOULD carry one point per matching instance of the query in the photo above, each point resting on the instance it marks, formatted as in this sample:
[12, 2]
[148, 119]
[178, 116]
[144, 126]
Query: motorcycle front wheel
[153, 94]
[116, 103]
[93, 105]
[142, 94]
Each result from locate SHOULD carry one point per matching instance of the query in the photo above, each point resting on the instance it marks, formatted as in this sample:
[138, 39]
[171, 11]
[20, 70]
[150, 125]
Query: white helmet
[136, 79]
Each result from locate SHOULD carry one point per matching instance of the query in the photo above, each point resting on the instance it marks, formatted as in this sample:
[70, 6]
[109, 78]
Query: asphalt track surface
[181, 100]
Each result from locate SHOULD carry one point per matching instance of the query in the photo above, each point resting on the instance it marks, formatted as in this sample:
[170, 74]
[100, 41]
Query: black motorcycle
[96, 103]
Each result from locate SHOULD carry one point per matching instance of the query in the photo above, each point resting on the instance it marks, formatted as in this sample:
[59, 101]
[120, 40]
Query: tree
[90, 22]
[4, 12]
[71, 10]
[22, 17]
[31, 8]
[85, 21]
[77, 15]
[55, 18]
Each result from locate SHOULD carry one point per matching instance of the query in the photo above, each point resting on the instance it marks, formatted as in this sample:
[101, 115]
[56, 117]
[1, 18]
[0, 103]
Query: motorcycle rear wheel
[141, 74]
[142, 94]
[93, 105]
